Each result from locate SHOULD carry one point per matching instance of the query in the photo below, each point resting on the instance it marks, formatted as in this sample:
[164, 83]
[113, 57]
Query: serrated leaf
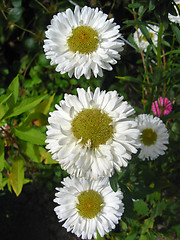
[24, 105]
[17, 176]
[1, 154]
[141, 207]
[32, 135]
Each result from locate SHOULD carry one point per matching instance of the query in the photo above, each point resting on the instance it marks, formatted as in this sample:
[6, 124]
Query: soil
[30, 216]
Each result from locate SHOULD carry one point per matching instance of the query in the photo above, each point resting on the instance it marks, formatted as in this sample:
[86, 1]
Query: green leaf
[148, 224]
[44, 106]
[151, 5]
[176, 228]
[15, 14]
[30, 134]
[114, 182]
[16, 3]
[40, 118]
[131, 236]
[134, 5]
[17, 176]
[25, 105]
[47, 158]
[141, 207]
[4, 98]
[33, 151]
[145, 33]
[14, 88]
[1, 154]
[176, 31]
[158, 210]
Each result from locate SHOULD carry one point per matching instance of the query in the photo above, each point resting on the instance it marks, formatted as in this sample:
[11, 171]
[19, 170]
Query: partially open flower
[162, 107]
[88, 206]
[83, 41]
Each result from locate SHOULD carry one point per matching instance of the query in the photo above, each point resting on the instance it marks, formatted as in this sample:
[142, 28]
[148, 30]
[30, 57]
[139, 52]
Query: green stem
[159, 44]
[42, 6]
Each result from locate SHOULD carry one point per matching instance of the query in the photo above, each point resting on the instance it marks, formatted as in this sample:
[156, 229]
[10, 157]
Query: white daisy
[140, 39]
[91, 134]
[88, 206]
[173, 18]
[82, 41]
[154, 135]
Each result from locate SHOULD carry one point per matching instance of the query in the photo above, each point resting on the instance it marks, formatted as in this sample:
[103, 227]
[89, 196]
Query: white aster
[88, 206]
[107, 137]
[173, 18]
[140, 39]
[154, 136]
[82, 41]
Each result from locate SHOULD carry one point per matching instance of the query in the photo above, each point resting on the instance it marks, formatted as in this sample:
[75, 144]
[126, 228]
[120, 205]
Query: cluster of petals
[82, 161]
[162, 106]
[104, 222]
[147, 121]
[175, 18]
[107, 53]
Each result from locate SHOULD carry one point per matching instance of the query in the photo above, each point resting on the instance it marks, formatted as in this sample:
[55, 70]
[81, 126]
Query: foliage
[30, 87]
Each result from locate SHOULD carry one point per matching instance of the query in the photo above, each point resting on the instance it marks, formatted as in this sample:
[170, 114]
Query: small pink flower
[162, 107]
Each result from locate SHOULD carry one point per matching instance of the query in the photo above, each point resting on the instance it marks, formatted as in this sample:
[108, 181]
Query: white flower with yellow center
[83, 41]
[173, 18]
[140, 39]
[88, 206]
[91, 134]
[154, 136]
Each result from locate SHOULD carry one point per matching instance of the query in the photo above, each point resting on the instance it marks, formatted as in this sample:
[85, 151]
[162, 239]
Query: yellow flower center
[91, 125]
[148, 137]
[178, 6]
[151, 36]
[84, 40]
[90, 204]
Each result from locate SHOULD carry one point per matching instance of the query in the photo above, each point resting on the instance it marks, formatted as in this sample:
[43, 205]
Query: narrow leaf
[17, 176]
[1, 154]
[44, 106]
[14, 88]
[176, 31]
[114, 182]
[25, 105]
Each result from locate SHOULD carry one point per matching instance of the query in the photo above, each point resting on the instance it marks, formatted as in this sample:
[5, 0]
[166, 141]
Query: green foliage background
[30, 87]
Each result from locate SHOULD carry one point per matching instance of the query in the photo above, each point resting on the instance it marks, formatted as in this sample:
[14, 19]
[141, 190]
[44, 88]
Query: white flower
[82, 41]
[88, 206]
[91, 134]
[173, 18]
[154, 135]
[140, 39]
